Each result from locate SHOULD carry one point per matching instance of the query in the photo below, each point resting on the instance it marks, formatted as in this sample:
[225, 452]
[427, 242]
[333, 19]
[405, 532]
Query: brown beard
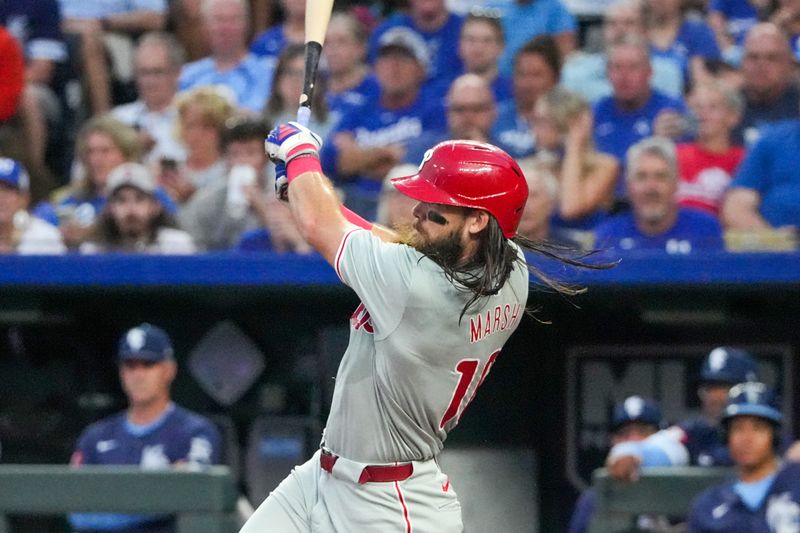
[446, 251]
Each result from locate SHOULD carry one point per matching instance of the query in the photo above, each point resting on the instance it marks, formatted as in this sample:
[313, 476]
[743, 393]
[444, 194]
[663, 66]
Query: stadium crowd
[136, 126]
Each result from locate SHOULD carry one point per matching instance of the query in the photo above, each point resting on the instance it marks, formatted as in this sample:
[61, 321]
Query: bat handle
[303, 115]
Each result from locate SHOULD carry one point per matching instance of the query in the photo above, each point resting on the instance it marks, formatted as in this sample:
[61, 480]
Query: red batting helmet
[470, 174]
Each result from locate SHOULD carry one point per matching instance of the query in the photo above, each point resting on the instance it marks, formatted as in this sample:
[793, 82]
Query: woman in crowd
[586, 177]
[287, 85]
[202, 113]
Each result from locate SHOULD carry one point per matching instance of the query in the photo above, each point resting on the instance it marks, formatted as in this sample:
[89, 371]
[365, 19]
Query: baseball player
[438, 301]
[722, 368]
[153, 432]
[765, 495]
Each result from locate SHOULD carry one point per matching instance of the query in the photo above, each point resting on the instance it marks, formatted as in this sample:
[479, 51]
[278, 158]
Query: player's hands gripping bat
[285, 143]
[318, 14]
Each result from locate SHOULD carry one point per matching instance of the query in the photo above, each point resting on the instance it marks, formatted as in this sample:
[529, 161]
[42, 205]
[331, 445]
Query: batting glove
[281, 182]
[286, 143]
[290, 141]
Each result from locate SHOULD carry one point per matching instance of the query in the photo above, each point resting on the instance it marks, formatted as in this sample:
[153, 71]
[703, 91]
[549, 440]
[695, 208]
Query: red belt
[374, 473]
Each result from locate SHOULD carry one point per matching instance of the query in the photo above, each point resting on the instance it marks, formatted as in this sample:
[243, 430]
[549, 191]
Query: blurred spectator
[106, 28]
[219, 216]
[372, 138]
[395, 210]
[480, 46]
[134, 220]
[634, 111]
[786, 16]
[287, 85]
[769, 86]
[12, 81]
[765, 495]
[541, 204]
[685, 40]
[537, 68]
[274, 40]
[471, 112]
[230, 64]
[103, 143]
[37, 27]
[153, 432]
[632, 420]
[765, 193]
[586, 73]
[704, 437]
[202, 114]
[523, 20]
[350, 81]
[157, 64]
[731, 20]
[587, 178]
[439, 30]
[20, 232]
[706, 166]
[655, 220]
[186, 17]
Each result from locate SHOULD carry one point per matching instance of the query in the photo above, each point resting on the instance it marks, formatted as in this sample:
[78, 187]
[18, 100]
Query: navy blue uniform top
[721, 509]
[178, 436]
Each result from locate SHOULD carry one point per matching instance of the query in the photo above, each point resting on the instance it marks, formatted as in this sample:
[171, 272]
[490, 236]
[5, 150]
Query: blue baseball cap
[728, 366]
[636, 409]
[145, 342]
[12, 173]
[754, 399]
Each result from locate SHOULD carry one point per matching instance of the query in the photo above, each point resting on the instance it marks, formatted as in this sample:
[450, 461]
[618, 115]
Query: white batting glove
[292, 140]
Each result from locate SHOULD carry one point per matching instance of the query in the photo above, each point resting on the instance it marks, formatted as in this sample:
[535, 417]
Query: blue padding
[246, 269]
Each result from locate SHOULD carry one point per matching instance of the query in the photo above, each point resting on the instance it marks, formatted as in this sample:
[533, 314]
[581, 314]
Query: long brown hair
[489, 269]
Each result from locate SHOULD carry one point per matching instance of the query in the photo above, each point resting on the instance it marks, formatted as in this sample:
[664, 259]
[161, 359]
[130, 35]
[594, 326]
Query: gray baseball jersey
[411, 367]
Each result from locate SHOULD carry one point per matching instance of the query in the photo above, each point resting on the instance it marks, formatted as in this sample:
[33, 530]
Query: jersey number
[468, 370]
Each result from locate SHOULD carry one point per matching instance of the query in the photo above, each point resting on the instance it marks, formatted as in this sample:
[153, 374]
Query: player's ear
[477, 220]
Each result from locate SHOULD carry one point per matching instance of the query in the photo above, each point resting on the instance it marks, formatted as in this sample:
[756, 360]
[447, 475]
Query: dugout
[643, 324]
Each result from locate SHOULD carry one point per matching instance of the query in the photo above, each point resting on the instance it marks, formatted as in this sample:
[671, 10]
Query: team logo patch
[135, 339]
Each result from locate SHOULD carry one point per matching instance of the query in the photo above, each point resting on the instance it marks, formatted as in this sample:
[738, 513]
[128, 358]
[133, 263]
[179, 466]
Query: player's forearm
[317, 211]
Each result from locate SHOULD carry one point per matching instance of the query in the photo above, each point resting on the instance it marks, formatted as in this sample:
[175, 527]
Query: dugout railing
[659, 491]
[204, 501]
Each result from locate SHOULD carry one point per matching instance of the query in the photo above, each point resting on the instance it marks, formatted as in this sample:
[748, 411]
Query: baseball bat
[318, 14]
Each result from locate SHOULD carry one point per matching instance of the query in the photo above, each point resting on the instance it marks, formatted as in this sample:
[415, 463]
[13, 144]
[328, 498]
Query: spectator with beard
[134, 220]
[655, 221]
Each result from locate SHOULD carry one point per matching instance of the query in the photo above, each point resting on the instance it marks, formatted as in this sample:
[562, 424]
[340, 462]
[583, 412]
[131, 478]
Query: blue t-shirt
[705, 443]
[37, 26]
[445, 65]
[616, 129]
[720, 508]
[270, 43]
[512, 131]
[342, 103]
[694, 38]
[740, 16]
[250, 81]
[770, 168]
[524, 21]
[98, 9]
[179, 435]
[693, 230]
[758, 116]
[371, 125]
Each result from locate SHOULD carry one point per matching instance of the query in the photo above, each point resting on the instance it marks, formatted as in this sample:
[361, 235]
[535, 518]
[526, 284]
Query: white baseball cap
[131, 175]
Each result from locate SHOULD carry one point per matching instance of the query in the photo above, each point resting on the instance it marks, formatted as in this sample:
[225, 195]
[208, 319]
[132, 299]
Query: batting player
[765, 496]
[153, 432]
[438, 301]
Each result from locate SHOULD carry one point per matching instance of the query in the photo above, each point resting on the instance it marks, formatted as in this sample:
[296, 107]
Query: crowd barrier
[659, 491]
[204, 500]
